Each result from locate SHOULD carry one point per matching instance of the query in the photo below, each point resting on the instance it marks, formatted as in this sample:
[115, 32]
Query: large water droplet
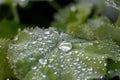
[65, 46]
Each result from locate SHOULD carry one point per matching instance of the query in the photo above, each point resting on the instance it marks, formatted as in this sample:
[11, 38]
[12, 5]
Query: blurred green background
[40, 13]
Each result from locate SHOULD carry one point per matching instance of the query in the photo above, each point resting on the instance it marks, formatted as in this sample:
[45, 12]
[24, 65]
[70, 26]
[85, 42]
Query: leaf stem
[55, 5]
[15, 13]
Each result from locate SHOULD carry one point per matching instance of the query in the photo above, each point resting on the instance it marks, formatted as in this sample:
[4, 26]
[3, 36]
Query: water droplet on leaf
[65, 46]
[43, 61]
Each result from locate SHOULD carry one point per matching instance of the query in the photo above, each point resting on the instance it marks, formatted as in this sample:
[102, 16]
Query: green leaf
[72, 13]
[95, 29]
[47, 54]
[108, 31]
[30, 45]
[5, 70]
[118, 22]
[113, 68]
[83, 61]
[86, 31]
[82, 31]
[8, 29]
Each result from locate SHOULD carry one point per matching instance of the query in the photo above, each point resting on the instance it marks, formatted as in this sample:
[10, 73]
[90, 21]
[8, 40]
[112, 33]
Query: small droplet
[16, 38]
[90, 69]
[23, 3]
[77, 59]
[65, 46]
[61, 57]
[76, 51]
[61, 65]
[100, 62]
[34, 42]
[47, 32]
[50, 60]
[43, 61]
[83, 69]
[45, 37]
[31, 59]
[73, 8]
[55, 72]
[34, 67]
[7, 79]
[105, 64]
[50, 66]
[110, 72]
[90, 44]
[44, 76]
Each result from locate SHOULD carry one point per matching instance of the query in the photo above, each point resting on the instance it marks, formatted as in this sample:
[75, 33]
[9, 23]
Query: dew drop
[34, 67]
[34, 42]
[90, 44]
[50, 60]
[90, 69]
[76, 51]
[65, 46]
[40, 49]
[44, 76]
[55, 72]
[23, 3]
[105, 64]
[86, 57]
[45, 37]
[110, 72]
[94, 62]
[83, 69]
[7, 79]
[73, 8]
[79, 67]
[47, 32]
[61, 57]
[61, 65]
[50, 66]
[43, 61]
[100, 62]
[31, 59]
[16, 38]
[77, 59]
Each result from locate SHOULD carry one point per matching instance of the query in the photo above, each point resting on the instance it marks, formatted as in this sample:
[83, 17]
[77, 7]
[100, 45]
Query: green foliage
[72, 13]
[47, 54]
[95, 29]
[88, 50]
[113, 3]
[89, 28]
[5, 70]
[113, 68]
[9, 28]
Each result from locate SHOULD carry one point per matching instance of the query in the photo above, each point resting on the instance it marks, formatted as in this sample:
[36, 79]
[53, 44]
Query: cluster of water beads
[58, 63]
[28, 51]
[114, 3]
[49, 53]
